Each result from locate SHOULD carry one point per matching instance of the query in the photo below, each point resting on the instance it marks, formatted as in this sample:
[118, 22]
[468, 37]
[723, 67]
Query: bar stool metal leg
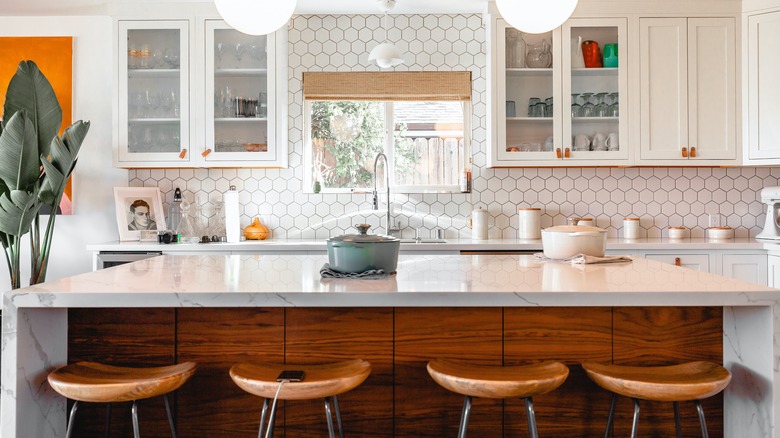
[108, 421]
[635, 424]
[263, 416]
[329, 416]
[529, 411]
[271, 421]
[71, 419]
[703, 423]
[134, 411]
[611, 415]
[170, 417]
[677, 426]
[338, 415]
[464, 417]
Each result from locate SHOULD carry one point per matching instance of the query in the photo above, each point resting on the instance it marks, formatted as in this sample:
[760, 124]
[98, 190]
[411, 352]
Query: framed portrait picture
[138, 209]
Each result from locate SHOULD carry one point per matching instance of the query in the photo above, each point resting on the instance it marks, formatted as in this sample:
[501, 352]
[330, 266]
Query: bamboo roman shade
[417, 86]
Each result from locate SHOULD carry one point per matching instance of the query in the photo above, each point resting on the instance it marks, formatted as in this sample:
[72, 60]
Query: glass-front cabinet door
[153, 110]
[240, 96]
[529, 79]
[595, 89]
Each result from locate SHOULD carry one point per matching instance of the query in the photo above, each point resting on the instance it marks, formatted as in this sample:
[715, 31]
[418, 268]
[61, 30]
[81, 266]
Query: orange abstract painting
[54, 56]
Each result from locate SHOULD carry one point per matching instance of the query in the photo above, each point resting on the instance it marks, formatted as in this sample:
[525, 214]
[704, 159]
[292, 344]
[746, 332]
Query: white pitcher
[577, 61]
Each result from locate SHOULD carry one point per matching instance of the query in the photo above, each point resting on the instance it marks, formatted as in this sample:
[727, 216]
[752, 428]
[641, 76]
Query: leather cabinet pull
[183, 153]
[685, 152]
[206, 152]
[558, 152]
[566, 153]
[677, 261]
[693, 151]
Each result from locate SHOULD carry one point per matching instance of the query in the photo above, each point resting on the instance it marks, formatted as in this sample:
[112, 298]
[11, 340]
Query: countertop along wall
[659, 196]
[94, 219]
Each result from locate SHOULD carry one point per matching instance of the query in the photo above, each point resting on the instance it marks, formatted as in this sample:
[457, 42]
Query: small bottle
[465, 179]
[232, 224]
[174, 212]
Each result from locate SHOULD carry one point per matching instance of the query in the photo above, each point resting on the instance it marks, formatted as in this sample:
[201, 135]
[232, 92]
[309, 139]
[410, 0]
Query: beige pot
[566, 241]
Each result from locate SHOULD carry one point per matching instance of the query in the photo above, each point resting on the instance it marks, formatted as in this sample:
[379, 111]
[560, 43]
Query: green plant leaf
[30, 90]
[18, 209]
[20, 166]
[62, 160]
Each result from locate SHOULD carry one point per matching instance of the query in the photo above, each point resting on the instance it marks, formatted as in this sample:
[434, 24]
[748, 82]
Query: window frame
[308, 159]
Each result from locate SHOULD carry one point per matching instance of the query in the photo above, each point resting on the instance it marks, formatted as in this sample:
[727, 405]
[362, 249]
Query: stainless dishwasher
[107, 259]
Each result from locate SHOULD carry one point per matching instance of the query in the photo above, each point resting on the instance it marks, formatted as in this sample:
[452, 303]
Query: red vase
[591, 54]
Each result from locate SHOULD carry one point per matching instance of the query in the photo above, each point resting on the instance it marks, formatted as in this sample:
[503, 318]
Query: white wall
[94, 219]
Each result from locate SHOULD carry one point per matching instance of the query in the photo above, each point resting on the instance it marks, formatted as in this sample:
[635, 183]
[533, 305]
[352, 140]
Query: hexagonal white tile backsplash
[659, 196]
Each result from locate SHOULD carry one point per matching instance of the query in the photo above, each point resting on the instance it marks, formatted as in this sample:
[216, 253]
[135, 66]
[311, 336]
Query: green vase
[317, 187]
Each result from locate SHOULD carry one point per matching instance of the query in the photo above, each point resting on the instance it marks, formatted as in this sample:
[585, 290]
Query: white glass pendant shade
[535, 16]
[385, 55]
[256, 17]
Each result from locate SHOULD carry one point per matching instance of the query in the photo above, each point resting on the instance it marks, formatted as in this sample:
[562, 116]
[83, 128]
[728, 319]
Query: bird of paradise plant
[35, 164]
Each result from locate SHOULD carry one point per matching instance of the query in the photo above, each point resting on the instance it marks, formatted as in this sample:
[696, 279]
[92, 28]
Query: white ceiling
[58, 7]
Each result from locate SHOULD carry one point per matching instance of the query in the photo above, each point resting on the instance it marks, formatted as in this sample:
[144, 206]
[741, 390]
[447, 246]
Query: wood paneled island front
[218, 311]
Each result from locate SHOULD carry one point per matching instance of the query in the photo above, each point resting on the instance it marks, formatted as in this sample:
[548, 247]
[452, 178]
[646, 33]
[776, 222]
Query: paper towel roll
[232, 223]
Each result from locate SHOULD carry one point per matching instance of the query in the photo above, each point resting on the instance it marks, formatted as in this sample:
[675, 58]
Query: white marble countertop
[448, 245]
[422, 280]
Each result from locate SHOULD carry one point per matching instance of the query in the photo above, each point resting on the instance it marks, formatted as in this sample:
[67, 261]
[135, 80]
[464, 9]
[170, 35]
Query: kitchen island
[36, 340]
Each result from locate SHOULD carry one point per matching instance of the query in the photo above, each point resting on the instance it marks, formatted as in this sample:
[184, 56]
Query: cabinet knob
[685, 152]
[693, 151]
[677, 261]
[206, 152]
[566, 153]
[183, 153]
[558, 152]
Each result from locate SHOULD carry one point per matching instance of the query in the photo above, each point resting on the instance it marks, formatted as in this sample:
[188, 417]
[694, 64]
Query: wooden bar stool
[99, 383]
[324, 381]
[675, 383]
[489, 381]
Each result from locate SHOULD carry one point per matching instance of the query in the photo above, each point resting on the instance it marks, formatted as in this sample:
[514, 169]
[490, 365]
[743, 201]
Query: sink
[423, 241]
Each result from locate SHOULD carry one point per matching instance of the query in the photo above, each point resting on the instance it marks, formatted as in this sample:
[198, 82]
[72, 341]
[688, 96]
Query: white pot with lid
[566, 241]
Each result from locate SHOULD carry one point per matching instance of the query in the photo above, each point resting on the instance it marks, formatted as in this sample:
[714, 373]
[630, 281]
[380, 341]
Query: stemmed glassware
[219, 50]
[575, 107]
[240, 50]
[587, 106]
[601, 109]
[614, 108]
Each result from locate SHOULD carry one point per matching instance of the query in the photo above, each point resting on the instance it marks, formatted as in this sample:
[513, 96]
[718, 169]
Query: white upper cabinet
[687, 91]
[196, 93]
[763, 89]
[551, 109]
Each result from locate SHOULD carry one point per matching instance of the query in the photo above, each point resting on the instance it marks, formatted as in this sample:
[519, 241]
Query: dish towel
[371, 274]
[584, 259]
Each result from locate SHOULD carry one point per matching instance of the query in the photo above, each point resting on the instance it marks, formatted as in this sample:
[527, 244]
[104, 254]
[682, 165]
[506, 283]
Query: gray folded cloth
[584, 259]
[371, 274]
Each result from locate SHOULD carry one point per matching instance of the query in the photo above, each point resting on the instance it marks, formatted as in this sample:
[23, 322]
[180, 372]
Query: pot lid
[363, 236]
[574, 229]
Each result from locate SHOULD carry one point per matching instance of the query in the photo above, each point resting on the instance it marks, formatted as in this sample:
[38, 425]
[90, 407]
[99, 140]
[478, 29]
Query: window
[426, 140]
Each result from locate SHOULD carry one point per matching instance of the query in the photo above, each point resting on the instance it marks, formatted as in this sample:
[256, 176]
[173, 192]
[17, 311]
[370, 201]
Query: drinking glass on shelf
[219, 49]
[587, 106]
[614, 107]
[144, 57]
[532, 106]
[227, 102]
[575, 106]
[240, 50]
[171, 58]
[548, 107]
[601, 109]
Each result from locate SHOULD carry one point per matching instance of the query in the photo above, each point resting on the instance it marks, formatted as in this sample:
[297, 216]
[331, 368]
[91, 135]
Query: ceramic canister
[631, 228]
[529, 223]
[479, 224]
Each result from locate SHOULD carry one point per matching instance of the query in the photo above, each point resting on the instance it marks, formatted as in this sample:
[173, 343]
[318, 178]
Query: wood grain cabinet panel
[664, 336]
[114, 336]
[323, 335]
[210, 404]
[570, 335]
[423, 408]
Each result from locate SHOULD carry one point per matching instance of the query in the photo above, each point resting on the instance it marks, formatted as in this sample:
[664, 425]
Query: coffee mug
[599, 142]
[612, 141]
[581, 142]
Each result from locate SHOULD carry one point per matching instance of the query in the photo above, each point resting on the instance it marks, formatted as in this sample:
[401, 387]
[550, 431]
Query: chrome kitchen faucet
[387, 185]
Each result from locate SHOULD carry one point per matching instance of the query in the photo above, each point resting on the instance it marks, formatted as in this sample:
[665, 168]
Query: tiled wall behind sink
[660, 196]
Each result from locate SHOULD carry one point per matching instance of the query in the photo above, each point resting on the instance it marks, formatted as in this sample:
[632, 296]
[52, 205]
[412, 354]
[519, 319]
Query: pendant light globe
[386, 55]
[534, 16]
[256, 17]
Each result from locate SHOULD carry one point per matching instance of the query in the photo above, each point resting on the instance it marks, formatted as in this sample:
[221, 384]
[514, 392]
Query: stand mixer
[771, 197]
